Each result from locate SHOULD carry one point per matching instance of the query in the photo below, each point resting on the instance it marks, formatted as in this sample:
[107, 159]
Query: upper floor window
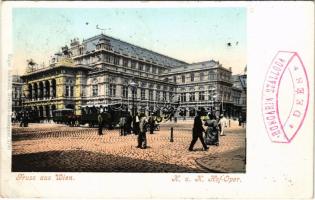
[125, 91]
[154, 70]
[171, 96]
[191, 96]
[142, 94]
[151, 95]
[147, 69]
[201, 76]
[133, 64]
[71, 91]
[94, 90]
[140, 66]
[81, 50]
[112, 90]
[192, 77]
[116, 60]
[183, 78]
[164, 96]
[183, 97]
[201, 96]
[67, 91]
[212, 76]
[174, 78]
[125, 62]
[157, 96]
[107, 58]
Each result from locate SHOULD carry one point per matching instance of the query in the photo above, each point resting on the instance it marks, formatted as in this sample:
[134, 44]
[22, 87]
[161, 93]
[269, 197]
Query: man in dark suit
[100, 123]
[197, 132]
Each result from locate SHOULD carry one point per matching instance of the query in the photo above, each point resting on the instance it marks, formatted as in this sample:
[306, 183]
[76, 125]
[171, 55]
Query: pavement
[59, 148]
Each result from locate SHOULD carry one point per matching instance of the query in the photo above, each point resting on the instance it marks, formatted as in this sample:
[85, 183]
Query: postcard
[157, 100]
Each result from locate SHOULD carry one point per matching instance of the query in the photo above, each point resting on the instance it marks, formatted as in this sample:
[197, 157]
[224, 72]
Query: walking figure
[142, 139]
[128, 123]
[122, 124]
[136, 122]
[212, 132]
[222, 124]
[100, 124]
[23, 119]
[151, 123]
[240, 121]
[197, 132]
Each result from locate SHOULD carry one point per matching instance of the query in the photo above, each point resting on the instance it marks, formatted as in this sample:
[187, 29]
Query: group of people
[215, 127]
[23, 117]
[125, 124]
[139, 125]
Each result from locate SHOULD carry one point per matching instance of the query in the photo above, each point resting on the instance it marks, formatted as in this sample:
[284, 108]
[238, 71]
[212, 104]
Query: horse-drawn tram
[89, 115]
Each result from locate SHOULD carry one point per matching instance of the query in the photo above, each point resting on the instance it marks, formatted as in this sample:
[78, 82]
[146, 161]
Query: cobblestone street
[56, 148]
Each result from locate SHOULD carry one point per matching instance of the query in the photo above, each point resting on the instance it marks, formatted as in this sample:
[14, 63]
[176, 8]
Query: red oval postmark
[280, 128]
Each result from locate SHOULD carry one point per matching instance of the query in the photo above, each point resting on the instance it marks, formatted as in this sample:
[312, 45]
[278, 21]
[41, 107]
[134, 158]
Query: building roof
[240, 81]
[195, 66]
[126, 48]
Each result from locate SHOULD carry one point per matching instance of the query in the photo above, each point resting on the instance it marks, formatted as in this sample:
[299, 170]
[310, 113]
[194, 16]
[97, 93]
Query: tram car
[111, 115]
[64, 116]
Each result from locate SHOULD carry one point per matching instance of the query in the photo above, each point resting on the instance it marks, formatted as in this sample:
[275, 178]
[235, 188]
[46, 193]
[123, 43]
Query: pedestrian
[151, 122]
[100, 123]
[240, 121]
[27, 119]
[122, 124]
[222, 124]
[129, 122]
[13, 118]
[142, 139]
[211, 136]
[23, 118]
[136, 122]
[197, 132]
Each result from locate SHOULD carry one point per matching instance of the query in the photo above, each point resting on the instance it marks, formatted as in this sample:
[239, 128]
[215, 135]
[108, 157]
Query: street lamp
[133, 86]
[212, 96]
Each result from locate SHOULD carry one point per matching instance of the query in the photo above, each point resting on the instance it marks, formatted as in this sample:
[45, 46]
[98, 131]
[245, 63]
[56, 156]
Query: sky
[188, 34]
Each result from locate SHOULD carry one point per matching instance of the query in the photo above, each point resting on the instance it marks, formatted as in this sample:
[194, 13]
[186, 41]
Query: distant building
[240, 82]
[17, 84]
[205, 85]
[99, 71]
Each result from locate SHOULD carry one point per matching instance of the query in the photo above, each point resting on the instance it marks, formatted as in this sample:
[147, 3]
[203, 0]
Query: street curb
[201, 164]
[206, 166]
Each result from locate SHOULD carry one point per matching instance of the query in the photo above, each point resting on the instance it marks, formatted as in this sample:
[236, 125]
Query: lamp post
[133, 86]
[212, 98]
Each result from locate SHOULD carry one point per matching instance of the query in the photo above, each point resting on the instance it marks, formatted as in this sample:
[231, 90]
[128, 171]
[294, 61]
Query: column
[50, 89]
[44, 112]
[138, 94]
[44, 90]
[50, 111]
[38, 91]
[33, 91]
[26, 91]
